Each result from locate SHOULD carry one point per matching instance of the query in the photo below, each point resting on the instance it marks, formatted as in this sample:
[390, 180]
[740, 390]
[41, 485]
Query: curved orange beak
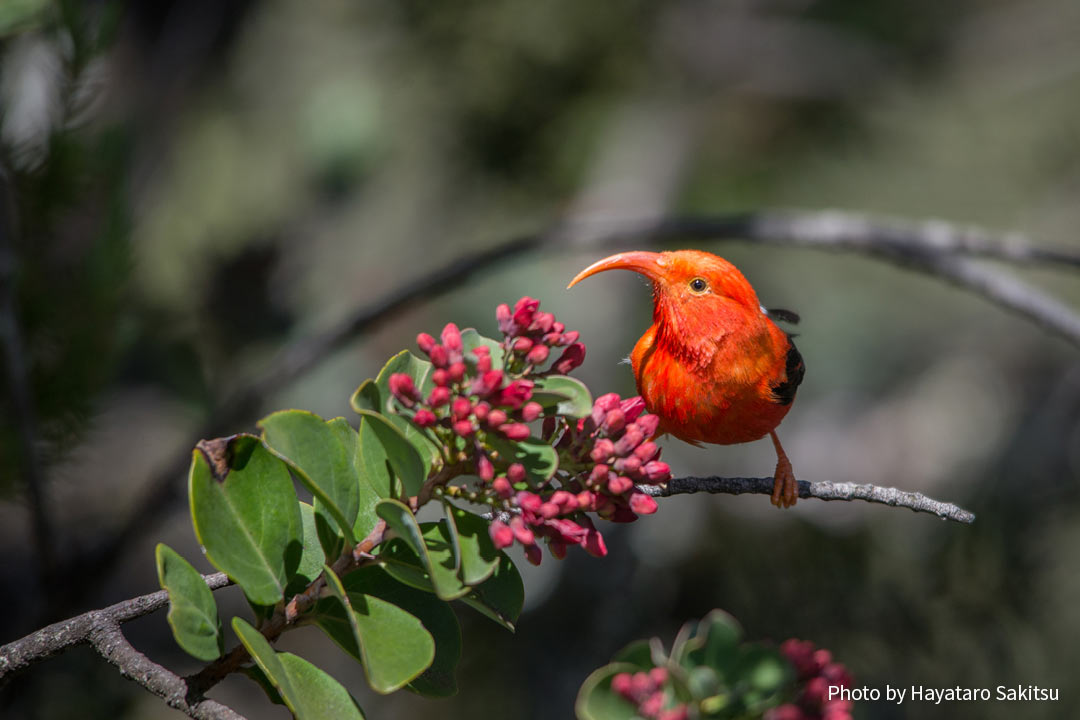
[647, 263]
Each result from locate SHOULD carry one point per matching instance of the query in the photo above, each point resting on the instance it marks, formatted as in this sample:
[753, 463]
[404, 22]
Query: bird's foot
[785, 486]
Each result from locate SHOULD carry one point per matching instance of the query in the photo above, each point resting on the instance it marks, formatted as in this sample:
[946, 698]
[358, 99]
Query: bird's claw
[785, 486]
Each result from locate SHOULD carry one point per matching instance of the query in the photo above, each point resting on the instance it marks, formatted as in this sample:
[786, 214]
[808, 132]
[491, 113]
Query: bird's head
[685, 282]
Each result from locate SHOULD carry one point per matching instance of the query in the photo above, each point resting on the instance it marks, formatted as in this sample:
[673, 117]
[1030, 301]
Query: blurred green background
[190, 186]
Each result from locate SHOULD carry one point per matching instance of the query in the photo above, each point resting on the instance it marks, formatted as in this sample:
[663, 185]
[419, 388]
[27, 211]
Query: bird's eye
[698, 286]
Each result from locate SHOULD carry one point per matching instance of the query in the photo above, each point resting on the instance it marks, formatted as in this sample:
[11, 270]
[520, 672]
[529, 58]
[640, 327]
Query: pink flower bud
[648, 425]
[652, 705]
[483, 363]
[627, 465]
[501, 534]
[565, 501]
[424, 418]
[481, 411]
[522, 345]
[631, 438]
[438, 397]
[461, 408]
[645, 451]
[557, 327]
[425, 342]
[613, 422]
[680, 712]
[549, 510]
[516, 473]
[599, 476]
[656, 471]
[505, 319]
[569, 531]
[402, 387]
[602, 450]
[524, 311]
[481, 350]
[456, 371]
[531, 411]
[484, 469]
[642, 504]
[569, 338]
[607, 402]
[815, 692]
[514, 431]
[502, 488]
[586, 500]
[440, 377]
[659, 677]
[785, 712]
[487, 383]
[557, 548]
[496, 417]
[641, 685]
[632, 408]
[523, 534]
[623, 685]
[451, 338]
[594, 543]
[516, 393]
[620, 484]
[528, 501]
[571, 358]
[538, 355]
[542, 322]
[440, 356]
[533, 554]
[464, 428]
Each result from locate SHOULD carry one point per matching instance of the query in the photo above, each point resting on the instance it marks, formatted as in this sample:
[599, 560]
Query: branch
[916, 502]
[932, 247]
[101, 629]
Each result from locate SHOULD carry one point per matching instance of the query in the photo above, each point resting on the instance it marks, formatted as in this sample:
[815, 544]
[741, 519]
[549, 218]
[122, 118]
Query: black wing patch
[788, 316]
[783, 393]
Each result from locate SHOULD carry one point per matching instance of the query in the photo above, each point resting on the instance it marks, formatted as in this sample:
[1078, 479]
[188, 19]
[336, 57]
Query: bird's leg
[785, 486]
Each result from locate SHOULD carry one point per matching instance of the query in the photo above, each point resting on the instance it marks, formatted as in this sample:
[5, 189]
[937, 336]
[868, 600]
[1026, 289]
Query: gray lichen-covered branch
[101, 630]
[917, 502]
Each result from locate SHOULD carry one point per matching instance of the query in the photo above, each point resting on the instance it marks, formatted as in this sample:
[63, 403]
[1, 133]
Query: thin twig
[916, 502]
[101, 630]
[933, 247]
[22, 399]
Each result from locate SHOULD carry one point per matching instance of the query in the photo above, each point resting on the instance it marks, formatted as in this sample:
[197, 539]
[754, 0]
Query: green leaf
[398, 450]
[501, 596]
[192, 611]
[308, 692]
[367, 497]
[22, 15]
[471, 339]
[479, 556]
[311, 558]
[246, 515]
[393, 645]
[314, 452]
[439, 620]
[366, 397]
[539, 458]
[597, 701]
[428, 548]
[721, 633]
[420, 372]
[566, 395]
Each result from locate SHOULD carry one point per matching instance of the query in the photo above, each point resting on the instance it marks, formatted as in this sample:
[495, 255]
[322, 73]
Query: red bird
[714, 366]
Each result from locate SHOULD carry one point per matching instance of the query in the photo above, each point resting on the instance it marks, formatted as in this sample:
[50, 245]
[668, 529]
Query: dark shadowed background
[190, 186]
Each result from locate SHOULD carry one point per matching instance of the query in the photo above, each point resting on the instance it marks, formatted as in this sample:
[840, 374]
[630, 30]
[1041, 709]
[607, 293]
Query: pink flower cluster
[815, 671]
[601, 457]
[530, 335]
[645, 690]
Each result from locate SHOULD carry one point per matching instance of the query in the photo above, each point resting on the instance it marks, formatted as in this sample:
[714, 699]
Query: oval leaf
[309, 692]
[393, 646]
[479, 556]
[367, 497]
[501, 596]
[396, 449]
[436, 615]
[568, 396]
[429, 547]
[246, 515]
[193, 613]
[314, 452]
[597, 701]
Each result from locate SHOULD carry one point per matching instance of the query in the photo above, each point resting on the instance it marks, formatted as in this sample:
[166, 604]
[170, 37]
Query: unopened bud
[451, 338]
[620, 484]
[522, 345]
[461, 408]
[646, 451]
[505, 319]
[464, 428]
[538, 355]
[602, 450]
[533, 554]
[515, 431]
[496, 417]
[656, 471]
[424, 418]
[614, 421]
[438, 397]
[633, 407]
[425, 342]
[516, 473]
[571, 358]
[501, 534]
[402, 387]
[523, 534]
[484, 469]
[456, 371]
[524, 311]
[502, 488]
[440, 356]
[642, 504]
[531, 411]
[440, 377]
